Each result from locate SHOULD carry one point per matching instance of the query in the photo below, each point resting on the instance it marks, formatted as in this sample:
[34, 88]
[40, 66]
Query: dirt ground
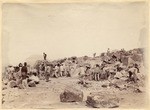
[46, 95]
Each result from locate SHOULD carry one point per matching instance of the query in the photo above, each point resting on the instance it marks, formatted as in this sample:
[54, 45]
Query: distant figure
[94, 55]
[108, 51]
[17, 76]
[34, 78]
[57, 70]
[24, 71]
[62, 70]
[133, 73]
[47, 72]
[88, 73]
[42, 71]
[67, 70]
[10, 71]
[96, 73]
[44, 55]
[20, 66]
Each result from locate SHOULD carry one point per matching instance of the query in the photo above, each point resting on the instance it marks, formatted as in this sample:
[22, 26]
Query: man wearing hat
[44, 55]
[88, 72]
[96, 73]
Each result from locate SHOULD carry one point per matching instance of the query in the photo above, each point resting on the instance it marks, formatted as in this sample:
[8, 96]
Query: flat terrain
[46, 95]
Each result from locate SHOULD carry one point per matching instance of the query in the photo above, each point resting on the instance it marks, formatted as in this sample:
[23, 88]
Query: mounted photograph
[75, 55]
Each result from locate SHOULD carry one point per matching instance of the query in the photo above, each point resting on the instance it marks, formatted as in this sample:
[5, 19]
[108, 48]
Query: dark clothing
[24, 75]
[43, 68]
[45, 55]
[24, 69]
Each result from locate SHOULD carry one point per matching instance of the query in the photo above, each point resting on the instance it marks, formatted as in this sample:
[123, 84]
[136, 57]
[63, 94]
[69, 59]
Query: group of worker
[46, 71]
[110, 72]
[20, 76]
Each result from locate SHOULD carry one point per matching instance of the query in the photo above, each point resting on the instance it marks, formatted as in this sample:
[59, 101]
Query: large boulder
[71, 95]
[102, 100]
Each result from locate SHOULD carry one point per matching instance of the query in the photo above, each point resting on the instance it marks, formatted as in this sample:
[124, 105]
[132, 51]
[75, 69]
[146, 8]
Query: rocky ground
[46, 95]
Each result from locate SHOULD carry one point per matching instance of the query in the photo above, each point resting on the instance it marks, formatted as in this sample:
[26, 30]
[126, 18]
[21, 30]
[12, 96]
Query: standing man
[108, 51]
[88, 73]
[97, 73]
[67, 70]
[62, 70]
[44, 55]
[47, 72]
[42, 71]
[57, 70]
[24, 71]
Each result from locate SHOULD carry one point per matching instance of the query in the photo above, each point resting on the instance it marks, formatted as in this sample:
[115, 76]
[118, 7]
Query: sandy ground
[46, 95]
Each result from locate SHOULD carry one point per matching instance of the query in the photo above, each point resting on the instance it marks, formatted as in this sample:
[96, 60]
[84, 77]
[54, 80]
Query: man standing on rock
[44, 55]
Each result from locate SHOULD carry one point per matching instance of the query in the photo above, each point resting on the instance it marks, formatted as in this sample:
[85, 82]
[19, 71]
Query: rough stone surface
[102, 100]
[71, 95]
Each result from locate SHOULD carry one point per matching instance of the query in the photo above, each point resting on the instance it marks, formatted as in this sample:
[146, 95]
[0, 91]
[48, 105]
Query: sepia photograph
[74, 55]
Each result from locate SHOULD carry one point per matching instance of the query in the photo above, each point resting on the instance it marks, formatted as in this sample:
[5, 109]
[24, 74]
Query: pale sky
[65, 30]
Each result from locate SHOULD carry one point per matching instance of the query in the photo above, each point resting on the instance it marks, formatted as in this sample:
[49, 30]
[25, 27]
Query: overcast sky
[63, 30]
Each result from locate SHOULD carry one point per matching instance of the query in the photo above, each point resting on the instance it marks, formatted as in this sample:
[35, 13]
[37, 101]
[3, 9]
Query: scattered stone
[137, 91]
[84, 83]
[105, 86]
[71, 95]
[102, 100]
[81, 82]
[122, 89]
[31, 84]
